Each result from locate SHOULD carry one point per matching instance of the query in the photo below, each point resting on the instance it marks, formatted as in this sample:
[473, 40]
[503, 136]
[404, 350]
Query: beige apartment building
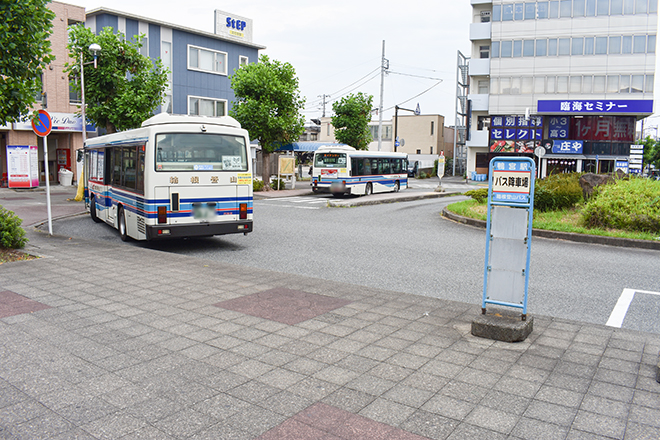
[423, 134]
[66, 135]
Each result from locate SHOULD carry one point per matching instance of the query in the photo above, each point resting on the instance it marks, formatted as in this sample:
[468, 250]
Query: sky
[336, 47]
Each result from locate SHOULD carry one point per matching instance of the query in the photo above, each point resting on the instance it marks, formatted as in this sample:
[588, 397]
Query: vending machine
[63, 158]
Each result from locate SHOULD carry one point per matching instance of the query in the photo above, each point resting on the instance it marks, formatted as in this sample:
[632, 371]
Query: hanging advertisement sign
[61, 122]
[22, 166]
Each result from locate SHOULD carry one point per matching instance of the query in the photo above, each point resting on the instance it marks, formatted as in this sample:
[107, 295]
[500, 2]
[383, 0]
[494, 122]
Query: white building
[571, 76]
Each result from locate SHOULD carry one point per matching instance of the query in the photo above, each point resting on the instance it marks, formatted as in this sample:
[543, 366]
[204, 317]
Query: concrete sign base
[502, 326]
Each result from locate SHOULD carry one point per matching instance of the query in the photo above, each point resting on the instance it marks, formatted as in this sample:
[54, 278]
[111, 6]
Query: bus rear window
[330, 160]
[200, 152]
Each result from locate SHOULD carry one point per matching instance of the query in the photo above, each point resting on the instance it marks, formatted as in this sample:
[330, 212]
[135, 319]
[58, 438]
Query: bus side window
[128, 167]
[116, 166]
[387, 167]
[367, 167]
[140, 169]
[107, 175]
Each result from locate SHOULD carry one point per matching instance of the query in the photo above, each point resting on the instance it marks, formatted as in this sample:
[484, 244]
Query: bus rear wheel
[121, 220]
[396, 186]
[368, 190]
[92, 210]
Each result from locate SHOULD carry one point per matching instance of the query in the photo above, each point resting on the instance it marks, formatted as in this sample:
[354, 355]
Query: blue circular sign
[42, 124]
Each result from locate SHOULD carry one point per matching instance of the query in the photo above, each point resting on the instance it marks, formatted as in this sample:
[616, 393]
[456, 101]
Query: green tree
[268, 105]
[651, 152]
[24, 53]
[351, 120]
[125, 88]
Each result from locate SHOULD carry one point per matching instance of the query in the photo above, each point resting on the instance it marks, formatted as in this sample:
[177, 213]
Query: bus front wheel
[368, 190]
[396, 186]
[92, 210]
[122, 225]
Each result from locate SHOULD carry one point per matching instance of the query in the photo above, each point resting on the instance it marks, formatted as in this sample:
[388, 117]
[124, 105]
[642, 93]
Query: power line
[416, 96]
[415, 76]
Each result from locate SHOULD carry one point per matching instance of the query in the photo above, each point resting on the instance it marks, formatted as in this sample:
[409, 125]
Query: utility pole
[323, 97]
[384, 65]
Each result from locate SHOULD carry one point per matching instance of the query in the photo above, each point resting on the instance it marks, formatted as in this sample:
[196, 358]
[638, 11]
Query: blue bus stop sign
[42, 124]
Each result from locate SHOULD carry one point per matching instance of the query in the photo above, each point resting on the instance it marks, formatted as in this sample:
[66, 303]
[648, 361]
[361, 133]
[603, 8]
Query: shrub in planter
[631, 205]
[277, 184]
[257, 185]
[558, 191]
[480, 195]
[12, 236]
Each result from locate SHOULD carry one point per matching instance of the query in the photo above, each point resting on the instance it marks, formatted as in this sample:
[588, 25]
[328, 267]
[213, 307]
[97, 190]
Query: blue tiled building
[200, 63]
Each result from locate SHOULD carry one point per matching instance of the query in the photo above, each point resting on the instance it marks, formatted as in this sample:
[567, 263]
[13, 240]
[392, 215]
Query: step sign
[42, 124]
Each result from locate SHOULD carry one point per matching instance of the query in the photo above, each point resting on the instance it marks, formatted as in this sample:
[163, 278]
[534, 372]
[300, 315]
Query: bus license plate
[203, 212]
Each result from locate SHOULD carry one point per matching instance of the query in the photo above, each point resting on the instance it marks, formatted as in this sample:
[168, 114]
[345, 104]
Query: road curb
[377, 201]
[569, 236]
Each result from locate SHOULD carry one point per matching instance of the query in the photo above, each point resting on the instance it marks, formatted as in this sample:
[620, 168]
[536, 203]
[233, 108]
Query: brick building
[66, 135]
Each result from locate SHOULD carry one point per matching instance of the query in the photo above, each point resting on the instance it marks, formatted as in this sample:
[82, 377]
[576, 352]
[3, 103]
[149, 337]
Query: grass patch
[565, 220]
[11, 255]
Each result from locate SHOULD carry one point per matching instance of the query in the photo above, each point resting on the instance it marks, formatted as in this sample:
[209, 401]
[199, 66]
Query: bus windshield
[330, 160]
[200, 152]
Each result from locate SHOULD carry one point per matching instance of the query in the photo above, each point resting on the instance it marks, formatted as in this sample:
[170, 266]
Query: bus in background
[345, 170]
[176, 176]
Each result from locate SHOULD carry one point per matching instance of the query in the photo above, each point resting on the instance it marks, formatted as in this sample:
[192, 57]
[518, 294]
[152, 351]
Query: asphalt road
[409, 247]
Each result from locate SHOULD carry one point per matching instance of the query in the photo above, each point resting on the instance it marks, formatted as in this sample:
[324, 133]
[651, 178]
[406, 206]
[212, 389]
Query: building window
[74, 95]
[542, 10]
[313, 136]
[167, 104]
[419, 151]
[207, 60]
[485, 16]
[484, 52]
[144, 49]
[431, 150]
[243, 61]
[528, 48]
[166, 57]
[530, 11]
[482, 87]
[198, 106]
[432, 123]
[565, 8]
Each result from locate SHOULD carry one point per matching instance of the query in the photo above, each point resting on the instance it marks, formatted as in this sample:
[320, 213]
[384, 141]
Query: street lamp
[396, 121]
[94, 49]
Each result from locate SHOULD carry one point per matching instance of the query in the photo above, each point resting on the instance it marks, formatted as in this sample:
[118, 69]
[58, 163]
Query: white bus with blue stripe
[345, 170]
[175, 177]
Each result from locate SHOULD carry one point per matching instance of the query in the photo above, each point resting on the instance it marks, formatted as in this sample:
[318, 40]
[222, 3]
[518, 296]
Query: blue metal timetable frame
[510, 185]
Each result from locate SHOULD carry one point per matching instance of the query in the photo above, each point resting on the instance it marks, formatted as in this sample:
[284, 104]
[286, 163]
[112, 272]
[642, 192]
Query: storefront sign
[515, 134]
[232, 25]
[621, 165]
[596, 106]
[63, 122]
[558, 127]
[22, 166]
[636, 158]
[567, 147]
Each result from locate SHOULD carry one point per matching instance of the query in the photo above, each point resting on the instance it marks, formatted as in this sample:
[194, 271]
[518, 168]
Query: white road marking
[621, 308]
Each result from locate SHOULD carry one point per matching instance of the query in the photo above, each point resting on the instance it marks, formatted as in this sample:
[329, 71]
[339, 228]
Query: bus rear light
[162, 214]
[242, 211]
[242, 227]
[163, 232]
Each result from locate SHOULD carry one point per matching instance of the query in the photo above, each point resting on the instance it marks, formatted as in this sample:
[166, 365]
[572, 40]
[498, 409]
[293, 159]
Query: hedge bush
[558, 191]
[257, 185]
[12, 236]
[630, 205]
[480, 195]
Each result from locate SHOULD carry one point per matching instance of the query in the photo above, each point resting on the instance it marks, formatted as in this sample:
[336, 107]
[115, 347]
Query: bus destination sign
[512, 181]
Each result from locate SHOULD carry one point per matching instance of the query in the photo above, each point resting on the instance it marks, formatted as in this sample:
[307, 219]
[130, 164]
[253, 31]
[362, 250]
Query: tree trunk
[266, 170]
[110, 128]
